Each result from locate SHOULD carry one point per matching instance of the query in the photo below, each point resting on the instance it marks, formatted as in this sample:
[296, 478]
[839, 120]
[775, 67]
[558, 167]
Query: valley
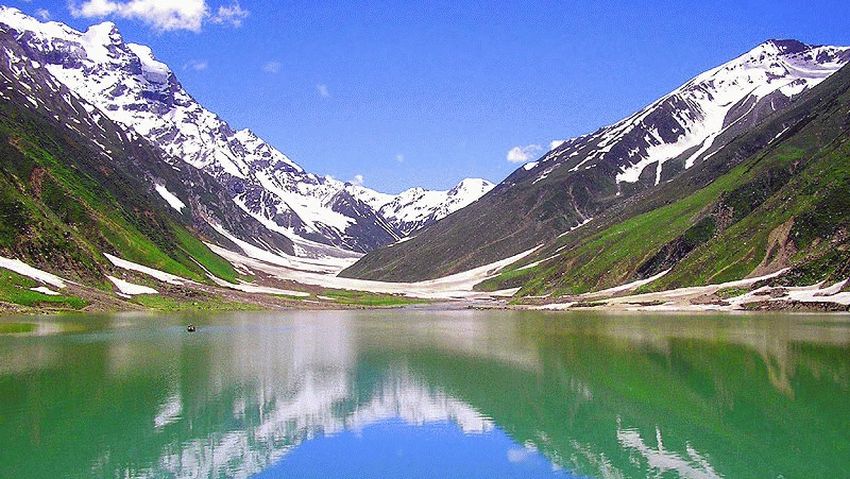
[122, 188]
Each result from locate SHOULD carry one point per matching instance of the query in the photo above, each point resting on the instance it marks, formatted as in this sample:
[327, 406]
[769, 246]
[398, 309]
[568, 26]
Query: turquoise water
[426, 394]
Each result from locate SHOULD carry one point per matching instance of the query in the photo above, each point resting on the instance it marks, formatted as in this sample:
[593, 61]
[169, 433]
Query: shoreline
[800, 308]
[276, 288]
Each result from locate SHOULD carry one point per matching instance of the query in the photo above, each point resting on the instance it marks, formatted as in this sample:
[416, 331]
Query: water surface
[426, 394]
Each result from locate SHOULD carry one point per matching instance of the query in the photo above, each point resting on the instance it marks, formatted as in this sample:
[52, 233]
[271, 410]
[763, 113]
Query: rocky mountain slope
[128, 85]
[587, 176]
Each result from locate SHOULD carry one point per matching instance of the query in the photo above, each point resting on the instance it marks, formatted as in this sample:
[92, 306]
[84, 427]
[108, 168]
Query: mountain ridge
[127, 83]
[586, 175]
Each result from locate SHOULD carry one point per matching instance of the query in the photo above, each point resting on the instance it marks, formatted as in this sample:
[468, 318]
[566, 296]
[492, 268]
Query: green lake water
[417, 393]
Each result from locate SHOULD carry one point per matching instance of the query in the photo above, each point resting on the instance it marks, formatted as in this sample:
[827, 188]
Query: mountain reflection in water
[598, 396]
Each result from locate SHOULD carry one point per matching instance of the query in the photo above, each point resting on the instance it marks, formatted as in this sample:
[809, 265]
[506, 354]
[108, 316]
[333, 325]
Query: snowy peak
[472, 187]
[776, 60]
[105, 34]
[153, 70]
[465, 193]
[813, 54]
[786, 46]
[694, 121]
[416, 208]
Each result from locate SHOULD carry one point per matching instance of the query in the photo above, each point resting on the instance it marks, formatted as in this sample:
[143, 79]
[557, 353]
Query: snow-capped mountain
[692, 122]
[416, 208]
[131, 87]
[591, 175]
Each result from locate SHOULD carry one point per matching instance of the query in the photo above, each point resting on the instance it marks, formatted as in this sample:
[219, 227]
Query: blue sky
[406, 94]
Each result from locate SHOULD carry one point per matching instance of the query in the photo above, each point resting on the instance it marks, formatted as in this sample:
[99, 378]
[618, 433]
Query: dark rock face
[364, 237]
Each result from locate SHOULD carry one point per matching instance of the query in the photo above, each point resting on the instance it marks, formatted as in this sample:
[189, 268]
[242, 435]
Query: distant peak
[472, 186]
[813, 55]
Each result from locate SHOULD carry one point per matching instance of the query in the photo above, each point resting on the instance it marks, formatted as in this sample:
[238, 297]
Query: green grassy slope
[55, 211]
[16, 289]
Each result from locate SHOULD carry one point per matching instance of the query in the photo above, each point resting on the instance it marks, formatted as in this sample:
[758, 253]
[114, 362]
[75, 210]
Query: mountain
[128, 85]
[74, 185]
[587, 176]
[416, 208]
[774, 203]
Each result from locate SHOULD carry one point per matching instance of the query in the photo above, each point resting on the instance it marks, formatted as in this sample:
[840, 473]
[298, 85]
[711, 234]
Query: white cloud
[161, 15]
[556, 143]
[357, 180]
[272, 67]
[232, 15]
[197, 65]
[43, 14]
[323, 90]
[522, 154]
[399, 158]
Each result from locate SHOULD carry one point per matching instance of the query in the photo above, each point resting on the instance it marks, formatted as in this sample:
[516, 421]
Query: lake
[419, 393]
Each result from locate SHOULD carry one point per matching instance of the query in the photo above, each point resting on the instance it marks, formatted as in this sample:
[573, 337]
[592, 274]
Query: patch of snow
[24, 269]
[45, 290]
[505, 293]
[632, 285]
[531, 265]
[458, 285]
[154, 70]
[405, 239]
[780, 134]
[251, 288]
[155, 273]
[131, 289]
[586, 221]
[170, 198]
[808, 294]
[328, 265]
[674, 299]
